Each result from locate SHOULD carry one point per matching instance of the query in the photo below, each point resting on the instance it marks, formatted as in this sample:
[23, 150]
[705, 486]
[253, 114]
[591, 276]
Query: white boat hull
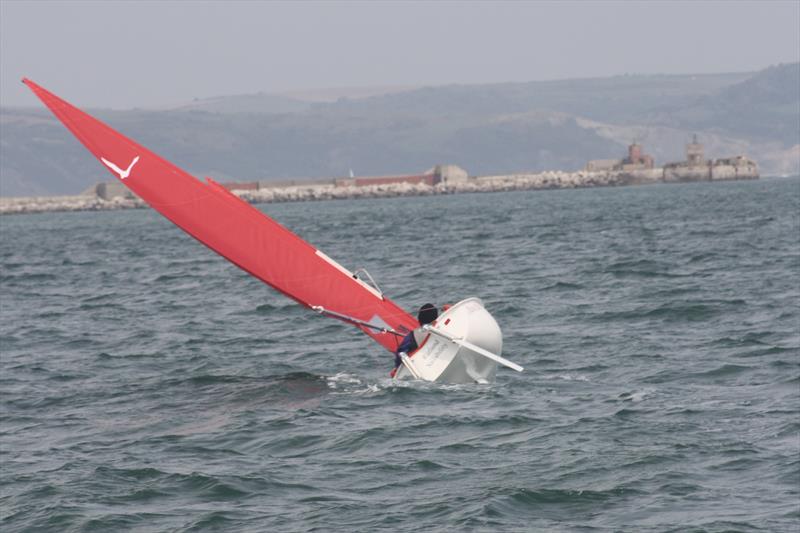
[441, 360]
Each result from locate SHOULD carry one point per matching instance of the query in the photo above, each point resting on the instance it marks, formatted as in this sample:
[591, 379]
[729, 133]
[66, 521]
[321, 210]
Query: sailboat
[462, 346]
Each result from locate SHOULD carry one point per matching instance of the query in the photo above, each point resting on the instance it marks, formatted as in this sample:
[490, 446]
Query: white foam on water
[570, 377]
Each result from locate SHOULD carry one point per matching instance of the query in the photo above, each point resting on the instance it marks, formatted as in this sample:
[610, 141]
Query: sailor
[427, 315]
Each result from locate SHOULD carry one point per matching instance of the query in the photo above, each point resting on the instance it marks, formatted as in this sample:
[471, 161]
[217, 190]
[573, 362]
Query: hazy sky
[128, 54]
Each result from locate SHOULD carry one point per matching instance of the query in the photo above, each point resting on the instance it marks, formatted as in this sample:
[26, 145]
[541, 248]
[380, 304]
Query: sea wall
[733, 172]
[332, 191]
[715, 172]
[41, 204]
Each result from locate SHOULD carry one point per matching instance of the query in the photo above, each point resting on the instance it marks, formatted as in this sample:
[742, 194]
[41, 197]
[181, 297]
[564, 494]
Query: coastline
[318, 192]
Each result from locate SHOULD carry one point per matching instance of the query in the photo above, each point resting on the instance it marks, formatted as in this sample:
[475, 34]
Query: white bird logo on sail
[121, 173]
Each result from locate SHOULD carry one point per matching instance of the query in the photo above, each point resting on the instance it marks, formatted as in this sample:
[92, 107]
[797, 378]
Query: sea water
[149, 385]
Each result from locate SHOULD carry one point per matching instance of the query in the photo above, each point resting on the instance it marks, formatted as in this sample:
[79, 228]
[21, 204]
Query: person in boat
[427, 314]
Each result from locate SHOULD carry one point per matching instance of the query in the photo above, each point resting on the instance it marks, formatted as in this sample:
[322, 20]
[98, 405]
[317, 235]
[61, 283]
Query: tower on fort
[694, 153]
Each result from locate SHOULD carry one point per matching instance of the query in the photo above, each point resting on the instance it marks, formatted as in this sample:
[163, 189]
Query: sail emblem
[121, 173]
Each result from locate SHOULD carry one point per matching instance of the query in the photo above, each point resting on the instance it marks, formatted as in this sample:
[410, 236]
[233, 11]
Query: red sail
[233, 228]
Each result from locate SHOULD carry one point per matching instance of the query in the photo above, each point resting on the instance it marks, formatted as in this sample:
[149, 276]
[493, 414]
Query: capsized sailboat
[266, 250]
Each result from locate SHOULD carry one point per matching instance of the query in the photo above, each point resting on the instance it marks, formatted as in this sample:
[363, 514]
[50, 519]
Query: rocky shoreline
[513, 182]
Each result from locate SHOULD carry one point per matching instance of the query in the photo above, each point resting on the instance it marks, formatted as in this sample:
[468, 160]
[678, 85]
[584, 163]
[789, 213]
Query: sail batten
[231, 227]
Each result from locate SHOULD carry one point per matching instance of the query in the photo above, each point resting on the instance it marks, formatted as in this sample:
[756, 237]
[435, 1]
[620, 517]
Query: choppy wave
[150, 386]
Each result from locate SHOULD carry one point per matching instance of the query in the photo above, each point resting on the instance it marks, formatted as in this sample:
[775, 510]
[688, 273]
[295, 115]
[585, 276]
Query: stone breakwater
[42, 204]
[513, 182]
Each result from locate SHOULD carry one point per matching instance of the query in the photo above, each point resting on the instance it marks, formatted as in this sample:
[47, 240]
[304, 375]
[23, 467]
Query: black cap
[427, 314]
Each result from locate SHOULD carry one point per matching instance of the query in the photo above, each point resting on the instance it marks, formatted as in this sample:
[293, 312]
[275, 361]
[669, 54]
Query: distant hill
[763, 107]
[288, 102]
[618, 98]
[487, 129]
[246, 103]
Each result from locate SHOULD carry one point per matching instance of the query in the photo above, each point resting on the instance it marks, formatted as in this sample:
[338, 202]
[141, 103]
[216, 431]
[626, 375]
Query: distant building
[449, 174]
[734, 168]
[109, 190]
[698, 168]
[600, 165]
[437, 174]
[695, 156]
[636, 160]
